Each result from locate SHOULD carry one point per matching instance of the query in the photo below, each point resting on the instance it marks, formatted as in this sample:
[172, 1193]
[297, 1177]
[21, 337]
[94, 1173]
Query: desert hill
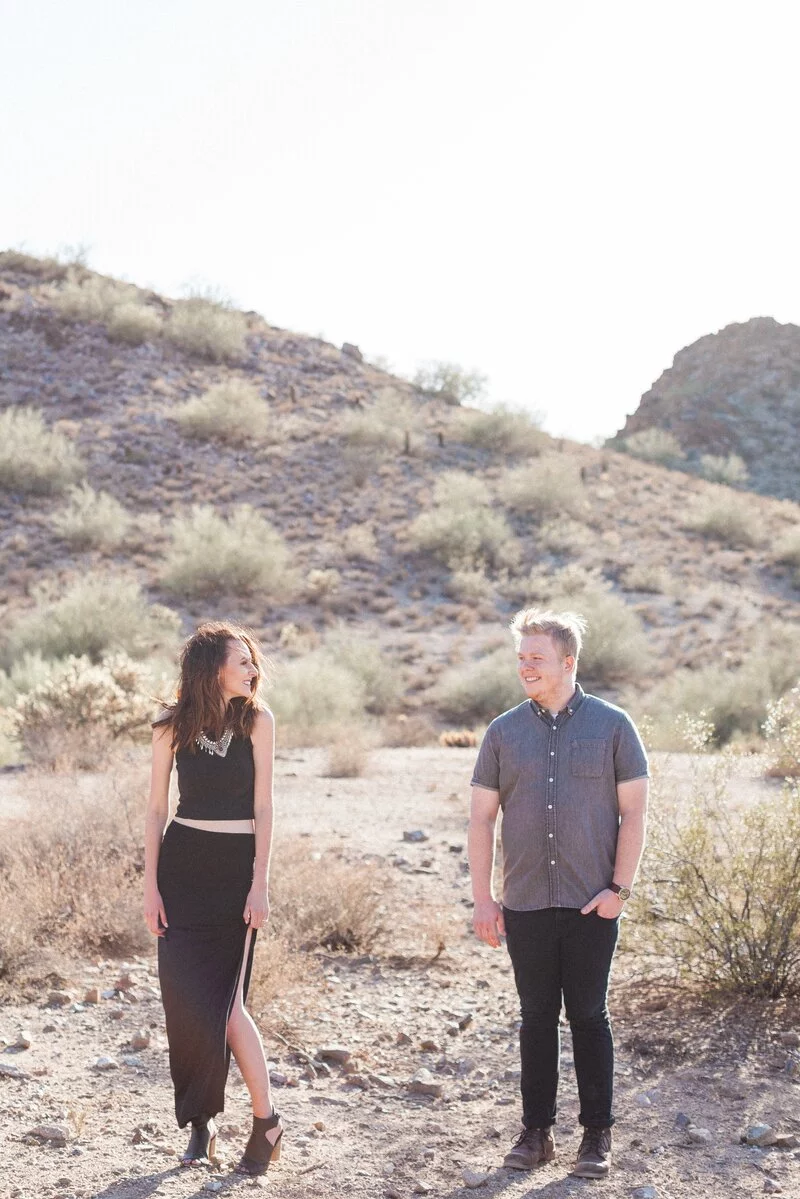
[734, 392]
[369, 527]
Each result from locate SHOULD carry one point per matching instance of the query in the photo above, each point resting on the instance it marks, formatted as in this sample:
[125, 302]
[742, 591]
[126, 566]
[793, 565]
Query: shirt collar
[571, 706]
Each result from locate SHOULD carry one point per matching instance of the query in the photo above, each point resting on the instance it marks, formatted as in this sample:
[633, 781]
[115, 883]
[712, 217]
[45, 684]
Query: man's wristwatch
[623, 892]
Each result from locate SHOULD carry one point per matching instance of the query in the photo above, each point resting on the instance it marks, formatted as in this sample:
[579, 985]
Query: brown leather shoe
[532, 1147]
[594, 1155]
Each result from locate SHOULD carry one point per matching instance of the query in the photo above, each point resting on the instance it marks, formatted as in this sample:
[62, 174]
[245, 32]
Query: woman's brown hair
[199, 705]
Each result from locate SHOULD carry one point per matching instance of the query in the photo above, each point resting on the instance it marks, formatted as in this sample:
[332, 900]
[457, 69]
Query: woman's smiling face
[239, 674]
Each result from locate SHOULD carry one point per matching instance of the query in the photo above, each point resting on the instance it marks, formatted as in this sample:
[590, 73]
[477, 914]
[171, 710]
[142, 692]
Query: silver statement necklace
[216, 747]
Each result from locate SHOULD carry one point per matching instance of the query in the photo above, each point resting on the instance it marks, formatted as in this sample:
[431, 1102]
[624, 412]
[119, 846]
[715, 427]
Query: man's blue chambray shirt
[557, 778]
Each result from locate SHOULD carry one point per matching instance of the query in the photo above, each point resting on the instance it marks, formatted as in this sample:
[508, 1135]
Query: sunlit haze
[559, 195]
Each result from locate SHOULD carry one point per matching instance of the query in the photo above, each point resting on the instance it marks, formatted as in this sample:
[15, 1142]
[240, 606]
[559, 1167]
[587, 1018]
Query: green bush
[725, 516]
[33, 457]
[379, 678]
[25, 673]
[787, 551]
[548, 488]
[96, 614]
[469, 586]
[383, 426]
[208, 329]
[314, 697]
[72, 716]
[119, 306]
[501, 431]
[782, 733]
[212, 554]
[720, 892]
[480, 689]
[133, 322]
[654, 445]
[232, 411]
[92, 519]
[450, 382]
[730, 469]
[462, 530]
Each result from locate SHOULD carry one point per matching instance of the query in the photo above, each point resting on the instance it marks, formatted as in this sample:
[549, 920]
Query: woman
[206, 883]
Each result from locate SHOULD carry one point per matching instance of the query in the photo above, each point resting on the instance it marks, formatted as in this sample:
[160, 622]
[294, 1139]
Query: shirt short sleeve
[630, 755]
[487, 767]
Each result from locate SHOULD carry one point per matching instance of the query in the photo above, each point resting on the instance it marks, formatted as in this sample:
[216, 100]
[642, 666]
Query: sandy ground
[722, 1068]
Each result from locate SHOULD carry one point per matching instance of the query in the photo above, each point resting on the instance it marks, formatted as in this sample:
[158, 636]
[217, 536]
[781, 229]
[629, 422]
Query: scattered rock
[790, 1039]
[647, 1192]
[60, 998]
[105, 1063]
[7, 1071]
[54, 1134]
[452, 1029]
[352, 351]
[761, 1135]
[772, 1186]
[792, 1066]
[416, 834]
[699, 1136]
[421, 1188]
[644, 1101]
[50, 1027]
[511, 1075]
[402, 1038]
[358, 1080]
[125, 982]
[473, 1179]
[423, 1083]
[92, 995]
[319, 1125]
[23, 1041]
[140, 1039]
[393, 1193]
[787, 1140]
[108, 994]
[116, 1013]
[430, 1046]
[382, 1080]
[277, 1078]
[465, 1021]
[682, 1120]
[213, 1184]
[334, 1053]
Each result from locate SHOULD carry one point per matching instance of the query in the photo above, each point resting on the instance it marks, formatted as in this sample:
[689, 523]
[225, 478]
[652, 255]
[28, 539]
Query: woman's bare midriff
[218, 826]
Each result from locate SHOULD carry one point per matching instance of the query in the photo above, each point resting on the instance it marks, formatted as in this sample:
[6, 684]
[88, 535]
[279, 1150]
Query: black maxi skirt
[204, 879]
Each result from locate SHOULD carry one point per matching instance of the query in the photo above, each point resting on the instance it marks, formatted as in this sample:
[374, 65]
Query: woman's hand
[154, 913]
[256, 908]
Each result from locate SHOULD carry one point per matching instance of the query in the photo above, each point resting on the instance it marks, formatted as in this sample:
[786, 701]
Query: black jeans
[558, 951]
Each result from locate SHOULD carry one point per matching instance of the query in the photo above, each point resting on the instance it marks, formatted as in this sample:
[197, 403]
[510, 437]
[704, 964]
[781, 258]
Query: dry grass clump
[71, 718]
[207, 328]
[384, 426]
[470, 586]
[92, 519]
[782, 733]
[545, 489]
[450, 382]
[348, 754]
[407, 731]
[501, 431]
[233, 412]
[729, 469]
[462, 530]
[96, 614]
[480, 689]
[322, 584]
[50, 270]
[23, 674]
[360, 544]
[725, 516]
[73, 882]
[119, 306]
[380, 679]
[787, 551]
[212, 554]
[313, 697]
[458, 739]
[654, 445]
[648, 577]
[33, 457]
[720, 890]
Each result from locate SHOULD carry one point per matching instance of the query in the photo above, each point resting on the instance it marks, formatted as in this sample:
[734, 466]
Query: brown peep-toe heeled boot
[260, 1150]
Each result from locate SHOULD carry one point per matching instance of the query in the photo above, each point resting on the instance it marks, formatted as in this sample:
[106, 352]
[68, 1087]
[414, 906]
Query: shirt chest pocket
[587, 758]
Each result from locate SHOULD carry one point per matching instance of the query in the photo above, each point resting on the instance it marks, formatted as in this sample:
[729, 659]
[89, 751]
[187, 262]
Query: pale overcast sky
[560, 194]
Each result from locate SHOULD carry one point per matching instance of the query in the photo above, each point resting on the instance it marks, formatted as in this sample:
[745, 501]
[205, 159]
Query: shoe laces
[595, 1140]
[529, 1134]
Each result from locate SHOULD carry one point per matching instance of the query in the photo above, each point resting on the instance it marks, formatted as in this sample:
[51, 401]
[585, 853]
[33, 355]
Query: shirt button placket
[552, 851]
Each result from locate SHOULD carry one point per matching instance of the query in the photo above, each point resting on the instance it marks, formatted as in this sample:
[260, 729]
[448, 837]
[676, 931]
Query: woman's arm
[256, 909]
[155, 819]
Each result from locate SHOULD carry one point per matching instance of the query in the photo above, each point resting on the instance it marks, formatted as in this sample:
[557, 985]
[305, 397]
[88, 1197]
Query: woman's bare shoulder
[264, 724]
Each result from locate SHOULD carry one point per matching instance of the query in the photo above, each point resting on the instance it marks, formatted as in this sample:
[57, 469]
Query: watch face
[624, 893]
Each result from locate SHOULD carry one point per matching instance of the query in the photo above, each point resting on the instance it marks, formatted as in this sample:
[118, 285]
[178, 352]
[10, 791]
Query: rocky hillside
[734, 392]
[678, 575]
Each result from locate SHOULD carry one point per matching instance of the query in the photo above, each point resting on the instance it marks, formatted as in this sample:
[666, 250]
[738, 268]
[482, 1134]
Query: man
[570, 774]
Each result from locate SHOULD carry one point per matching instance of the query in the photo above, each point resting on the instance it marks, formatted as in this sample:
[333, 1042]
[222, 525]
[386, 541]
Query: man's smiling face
[543, 669]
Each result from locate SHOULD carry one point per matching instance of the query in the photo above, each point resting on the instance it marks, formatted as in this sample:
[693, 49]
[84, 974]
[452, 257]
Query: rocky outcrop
[734, 392]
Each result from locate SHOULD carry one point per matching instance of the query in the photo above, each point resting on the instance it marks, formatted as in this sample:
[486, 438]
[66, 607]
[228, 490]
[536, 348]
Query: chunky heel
[260, 1150]
[202, 1146]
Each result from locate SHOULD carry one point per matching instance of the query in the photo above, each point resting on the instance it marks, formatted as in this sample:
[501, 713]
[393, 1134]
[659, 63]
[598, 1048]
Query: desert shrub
[348, 753]
[450, 382]
[133, 322]
[232, 411]
[654, 445]
[646, 576]
[92, 519]
[458, 739]
[380, 679]
[564, 536]
[720, 893]
[545, 489]
[313, 697]
[725, 516]
[469, 586]
[381, 427]
[462, 530]
[71, 718]
[501, 431]
[119, 306]
[33, 457]
[405, 732]
[322, 584]
[207, 328]
[320, 900]
[73, 883]
[787, 551]
[359, 542]
[48, 269]
[26, 672]
[210, 553]
[480, 689]
[782, 733]
[729, 469]
[96, 614]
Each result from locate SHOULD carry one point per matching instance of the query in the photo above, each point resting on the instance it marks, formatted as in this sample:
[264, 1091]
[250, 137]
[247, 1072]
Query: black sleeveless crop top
[214, 788]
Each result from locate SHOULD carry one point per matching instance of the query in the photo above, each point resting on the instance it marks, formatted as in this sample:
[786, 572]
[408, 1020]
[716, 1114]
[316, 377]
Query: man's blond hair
[565, 629]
